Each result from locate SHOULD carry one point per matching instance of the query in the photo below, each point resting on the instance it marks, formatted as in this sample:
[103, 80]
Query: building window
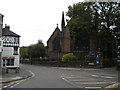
[15, 51]
[3, 62]
[0, 43]
[10, 62]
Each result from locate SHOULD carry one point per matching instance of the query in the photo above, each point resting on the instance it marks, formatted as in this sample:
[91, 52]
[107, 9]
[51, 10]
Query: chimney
[7, 27]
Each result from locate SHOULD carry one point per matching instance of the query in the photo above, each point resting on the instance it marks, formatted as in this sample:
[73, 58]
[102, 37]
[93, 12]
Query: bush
[89, 58]
[109, 62]
[69, 57]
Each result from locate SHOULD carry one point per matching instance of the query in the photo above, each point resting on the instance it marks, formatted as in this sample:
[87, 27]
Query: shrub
[89, 58]
[109, 62]
[69, 57]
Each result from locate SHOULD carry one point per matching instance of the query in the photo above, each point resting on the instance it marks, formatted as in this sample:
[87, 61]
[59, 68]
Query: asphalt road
[54, 77]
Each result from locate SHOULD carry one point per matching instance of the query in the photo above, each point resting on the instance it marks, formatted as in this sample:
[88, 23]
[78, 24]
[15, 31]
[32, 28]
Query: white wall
[8, 52]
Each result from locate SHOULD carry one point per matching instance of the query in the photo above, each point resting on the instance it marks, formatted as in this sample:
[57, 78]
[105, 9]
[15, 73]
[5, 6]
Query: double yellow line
[116, 85]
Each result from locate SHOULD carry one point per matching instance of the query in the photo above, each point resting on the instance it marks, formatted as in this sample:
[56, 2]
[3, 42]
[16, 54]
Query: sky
[34, 19]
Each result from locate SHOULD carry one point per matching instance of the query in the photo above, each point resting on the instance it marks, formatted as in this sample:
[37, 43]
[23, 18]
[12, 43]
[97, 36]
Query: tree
[24, 52]
[97, 23]
[36, 50]
[81, 26]
[109, 13]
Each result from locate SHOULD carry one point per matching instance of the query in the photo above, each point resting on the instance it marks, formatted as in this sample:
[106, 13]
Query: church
[59, 42]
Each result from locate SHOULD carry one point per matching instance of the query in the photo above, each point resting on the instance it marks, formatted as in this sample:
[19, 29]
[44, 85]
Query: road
[54, 77]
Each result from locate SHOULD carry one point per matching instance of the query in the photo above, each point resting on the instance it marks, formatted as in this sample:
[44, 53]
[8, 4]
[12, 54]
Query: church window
[56, 44]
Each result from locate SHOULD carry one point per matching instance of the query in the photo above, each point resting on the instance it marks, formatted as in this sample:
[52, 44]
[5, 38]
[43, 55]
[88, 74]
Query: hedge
[69, 57]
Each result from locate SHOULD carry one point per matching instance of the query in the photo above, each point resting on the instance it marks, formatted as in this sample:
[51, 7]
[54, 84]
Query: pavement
[13, 76]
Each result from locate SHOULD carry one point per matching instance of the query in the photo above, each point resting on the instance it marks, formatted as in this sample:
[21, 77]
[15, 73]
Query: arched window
[56, 44]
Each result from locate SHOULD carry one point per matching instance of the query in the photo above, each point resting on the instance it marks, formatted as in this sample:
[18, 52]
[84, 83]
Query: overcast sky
[34, 19]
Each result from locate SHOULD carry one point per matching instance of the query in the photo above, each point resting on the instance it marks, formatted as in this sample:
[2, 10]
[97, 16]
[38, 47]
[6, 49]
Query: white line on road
[90, 83]
[102, 76]
[92, 87]
[95, 75]
[107, 77]
[11, 85]
[70, 82]
[14, 85]
[5, 86]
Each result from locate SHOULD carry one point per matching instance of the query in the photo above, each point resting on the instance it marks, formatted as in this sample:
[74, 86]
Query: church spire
[63, 21]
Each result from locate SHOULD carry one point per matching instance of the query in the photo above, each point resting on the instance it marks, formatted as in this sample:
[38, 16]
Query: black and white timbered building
[10, 53]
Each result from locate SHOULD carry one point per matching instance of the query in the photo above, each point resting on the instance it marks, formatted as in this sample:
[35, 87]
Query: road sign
[97, 60]
[91, 53]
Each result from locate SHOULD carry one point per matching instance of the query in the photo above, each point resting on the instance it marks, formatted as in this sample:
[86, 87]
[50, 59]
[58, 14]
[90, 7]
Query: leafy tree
[30, 51]
[97, 23]
[36, 50]
[109, 13]
[24, 52]
[81, 25]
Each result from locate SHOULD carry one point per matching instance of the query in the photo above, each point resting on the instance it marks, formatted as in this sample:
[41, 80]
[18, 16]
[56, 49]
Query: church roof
[6, 32]
[57, 30]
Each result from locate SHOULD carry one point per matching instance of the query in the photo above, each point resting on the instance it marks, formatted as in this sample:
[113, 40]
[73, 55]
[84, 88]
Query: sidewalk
[13, 76]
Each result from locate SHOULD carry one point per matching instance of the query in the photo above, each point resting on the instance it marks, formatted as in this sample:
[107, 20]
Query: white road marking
[91, 83]
[107, 77]
[93, 87]
[16, 77]
[5, 86]
[102, 76]
[95, 76]
[14, 85]
[11, 85]
[70, 82]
